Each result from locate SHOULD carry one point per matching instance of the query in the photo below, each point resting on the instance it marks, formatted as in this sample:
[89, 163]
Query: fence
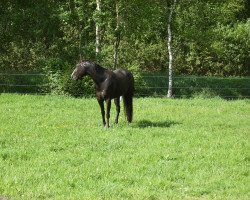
[146, 85]
[22, 83]
[189, 86]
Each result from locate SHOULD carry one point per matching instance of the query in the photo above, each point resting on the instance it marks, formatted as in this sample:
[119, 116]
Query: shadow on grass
[161, 124]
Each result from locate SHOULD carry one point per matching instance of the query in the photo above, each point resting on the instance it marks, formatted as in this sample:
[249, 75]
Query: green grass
[55, 148]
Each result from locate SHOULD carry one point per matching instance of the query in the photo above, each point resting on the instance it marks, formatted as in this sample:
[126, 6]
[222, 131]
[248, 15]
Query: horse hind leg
[117, 104]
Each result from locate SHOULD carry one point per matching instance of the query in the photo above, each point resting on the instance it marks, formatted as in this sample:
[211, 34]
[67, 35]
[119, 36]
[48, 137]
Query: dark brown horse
[109, 85]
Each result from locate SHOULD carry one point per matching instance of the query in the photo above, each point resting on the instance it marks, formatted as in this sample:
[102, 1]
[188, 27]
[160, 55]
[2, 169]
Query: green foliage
[54, 147]
[60, 83]
[232, 47]
[210, 37]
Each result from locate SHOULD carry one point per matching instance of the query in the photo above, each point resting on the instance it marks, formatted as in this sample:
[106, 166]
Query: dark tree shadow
[161, 124]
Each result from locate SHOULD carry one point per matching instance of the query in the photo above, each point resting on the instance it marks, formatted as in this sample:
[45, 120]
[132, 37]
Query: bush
[60, 82]
[232, 48]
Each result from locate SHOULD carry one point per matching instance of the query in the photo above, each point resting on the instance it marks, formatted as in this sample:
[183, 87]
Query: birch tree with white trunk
[98, 29]
[170, 50]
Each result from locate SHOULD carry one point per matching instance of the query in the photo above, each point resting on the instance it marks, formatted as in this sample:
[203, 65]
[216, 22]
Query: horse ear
[82, 59]
[79, 61]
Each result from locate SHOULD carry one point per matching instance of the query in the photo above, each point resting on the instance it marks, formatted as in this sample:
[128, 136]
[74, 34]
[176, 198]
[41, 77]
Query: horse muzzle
[74, 77]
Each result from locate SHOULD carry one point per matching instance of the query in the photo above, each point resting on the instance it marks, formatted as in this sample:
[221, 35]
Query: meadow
[54, 147]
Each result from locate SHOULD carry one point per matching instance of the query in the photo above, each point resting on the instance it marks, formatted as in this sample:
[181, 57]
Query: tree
[170, 52]
[210, 37]
[117, 33]
[98, 29]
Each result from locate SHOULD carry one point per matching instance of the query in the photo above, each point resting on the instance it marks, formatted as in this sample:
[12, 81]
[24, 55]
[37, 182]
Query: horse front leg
[117, 103]
[108, 106]
[101, 103]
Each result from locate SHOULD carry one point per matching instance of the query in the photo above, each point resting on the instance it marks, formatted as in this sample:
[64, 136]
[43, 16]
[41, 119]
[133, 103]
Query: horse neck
[97, 73]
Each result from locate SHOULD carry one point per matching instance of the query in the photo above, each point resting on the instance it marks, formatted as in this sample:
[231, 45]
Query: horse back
[123, 76]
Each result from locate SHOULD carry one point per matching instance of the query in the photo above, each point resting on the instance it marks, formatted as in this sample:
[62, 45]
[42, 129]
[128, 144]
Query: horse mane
[94, 66]
[99, 69]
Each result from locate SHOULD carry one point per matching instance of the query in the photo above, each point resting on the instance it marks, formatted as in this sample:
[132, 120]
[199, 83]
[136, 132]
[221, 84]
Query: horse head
[79, 71]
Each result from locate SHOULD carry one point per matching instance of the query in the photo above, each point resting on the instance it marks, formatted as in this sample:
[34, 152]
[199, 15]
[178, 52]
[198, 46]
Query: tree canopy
[209, 37]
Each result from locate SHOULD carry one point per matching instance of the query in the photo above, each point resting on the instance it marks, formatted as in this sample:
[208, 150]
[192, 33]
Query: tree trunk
[170, 52]
[117, 34]
[98, 30]
[80, 42]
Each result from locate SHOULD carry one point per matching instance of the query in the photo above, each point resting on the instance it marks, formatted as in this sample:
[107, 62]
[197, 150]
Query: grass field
[54, 147]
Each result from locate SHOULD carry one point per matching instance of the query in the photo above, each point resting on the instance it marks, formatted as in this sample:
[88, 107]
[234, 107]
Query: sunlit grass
[55, 147]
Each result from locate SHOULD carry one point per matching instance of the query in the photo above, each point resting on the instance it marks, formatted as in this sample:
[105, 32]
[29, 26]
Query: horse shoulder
[106, 86]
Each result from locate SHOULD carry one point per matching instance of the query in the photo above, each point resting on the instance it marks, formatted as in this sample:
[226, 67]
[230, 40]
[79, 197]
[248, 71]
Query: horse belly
[121, 89]
[105, 94]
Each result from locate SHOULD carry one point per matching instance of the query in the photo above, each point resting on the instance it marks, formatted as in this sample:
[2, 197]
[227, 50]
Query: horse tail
[128, 106]
[128, 99]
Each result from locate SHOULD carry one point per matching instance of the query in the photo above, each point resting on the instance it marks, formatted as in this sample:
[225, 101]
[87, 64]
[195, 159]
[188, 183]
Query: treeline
[210, 37]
